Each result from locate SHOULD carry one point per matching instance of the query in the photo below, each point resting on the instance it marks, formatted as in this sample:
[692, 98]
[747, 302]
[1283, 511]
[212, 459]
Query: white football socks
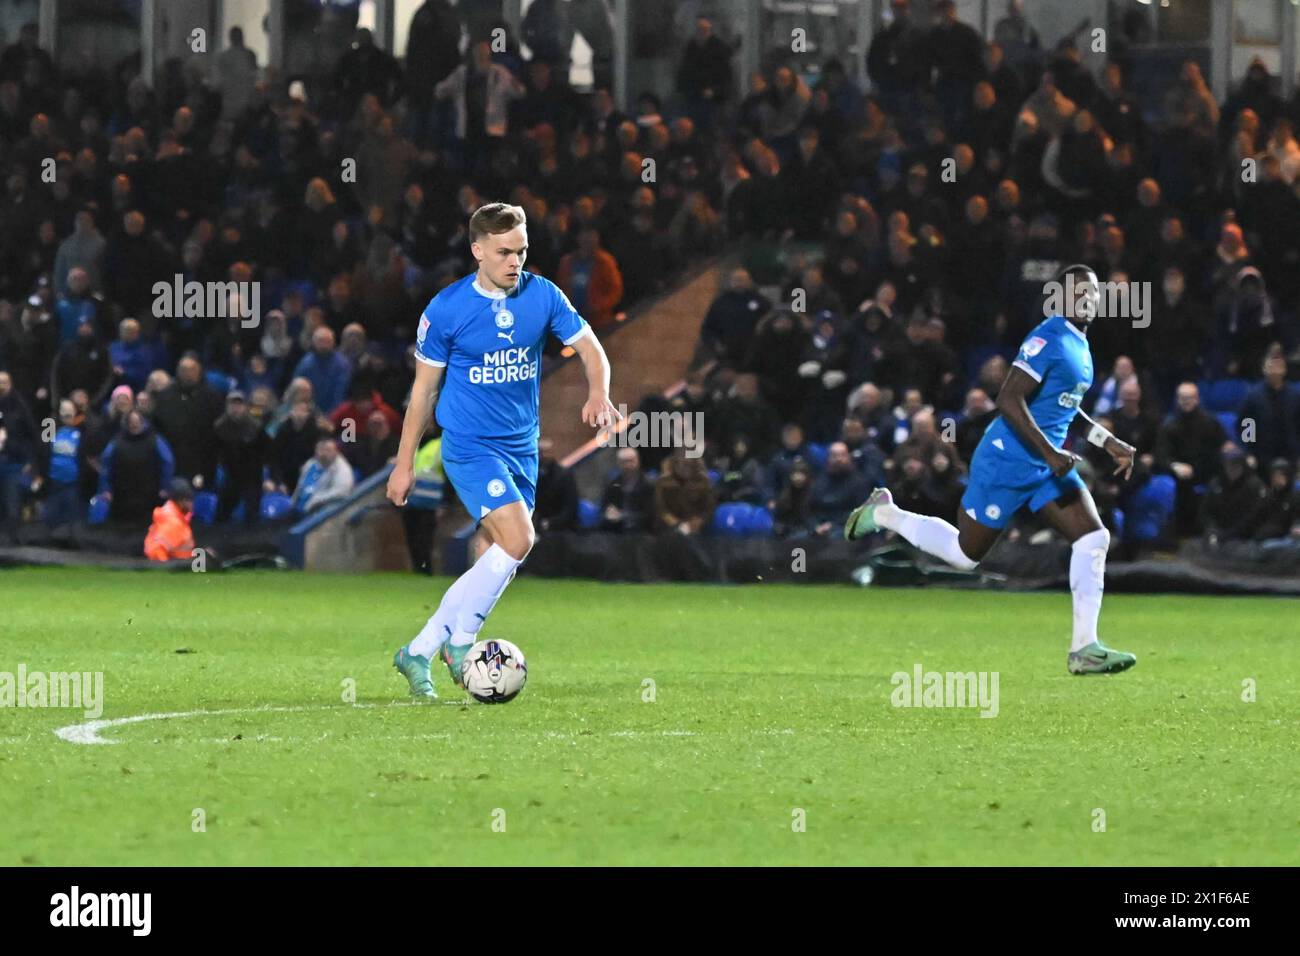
[467, 603]
[486, 582]
[932, 535]
[1087, 581]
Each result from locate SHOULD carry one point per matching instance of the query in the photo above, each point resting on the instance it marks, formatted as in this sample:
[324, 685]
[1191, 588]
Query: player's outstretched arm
[419, 411]
[598, 411]
[1121, 452]
[1013, 403]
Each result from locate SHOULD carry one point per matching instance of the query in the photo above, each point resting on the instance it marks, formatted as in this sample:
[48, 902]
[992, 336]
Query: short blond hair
[494, 219]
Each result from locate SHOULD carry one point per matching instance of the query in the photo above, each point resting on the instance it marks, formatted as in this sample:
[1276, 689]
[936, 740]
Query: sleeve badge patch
[1033, 346]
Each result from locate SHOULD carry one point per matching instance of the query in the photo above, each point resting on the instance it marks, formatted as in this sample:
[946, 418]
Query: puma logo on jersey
[508, 336]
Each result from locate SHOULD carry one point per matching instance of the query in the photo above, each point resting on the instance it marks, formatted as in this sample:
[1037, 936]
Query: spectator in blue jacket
[63, 504]
[838, 491]
[76, 306]
[327, 370]
[1272, 410]
[133, 358]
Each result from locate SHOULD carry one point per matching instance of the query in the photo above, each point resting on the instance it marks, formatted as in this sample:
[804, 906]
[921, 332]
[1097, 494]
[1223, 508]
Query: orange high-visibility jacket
[169, 536]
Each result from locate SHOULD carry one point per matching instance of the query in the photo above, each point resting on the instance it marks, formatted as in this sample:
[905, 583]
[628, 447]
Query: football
[494, 672]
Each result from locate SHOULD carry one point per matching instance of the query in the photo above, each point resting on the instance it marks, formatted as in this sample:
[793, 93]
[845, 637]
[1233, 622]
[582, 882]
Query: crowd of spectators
[919, 220]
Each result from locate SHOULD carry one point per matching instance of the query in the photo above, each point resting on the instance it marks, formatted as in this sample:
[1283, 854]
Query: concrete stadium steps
[647, 353]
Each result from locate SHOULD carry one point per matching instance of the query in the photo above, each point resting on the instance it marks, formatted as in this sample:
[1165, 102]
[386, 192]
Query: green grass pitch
[770, 739]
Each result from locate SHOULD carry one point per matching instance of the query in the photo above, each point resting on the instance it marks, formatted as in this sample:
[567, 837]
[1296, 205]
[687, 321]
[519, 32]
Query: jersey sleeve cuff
[1027, 369]
[585, 330]
[428, 361]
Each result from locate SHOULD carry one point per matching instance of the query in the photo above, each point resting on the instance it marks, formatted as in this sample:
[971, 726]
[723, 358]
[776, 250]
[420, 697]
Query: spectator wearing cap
[328, 371]
[170, 537]
[325, 479]
[243, 451]
[1247, 322]
[1236, 499]
[135, 468]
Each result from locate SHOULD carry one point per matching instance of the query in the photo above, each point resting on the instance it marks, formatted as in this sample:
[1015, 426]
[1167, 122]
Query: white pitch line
[88, 732]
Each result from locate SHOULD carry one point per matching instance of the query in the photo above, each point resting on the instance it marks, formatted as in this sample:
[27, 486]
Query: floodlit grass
[672, 724]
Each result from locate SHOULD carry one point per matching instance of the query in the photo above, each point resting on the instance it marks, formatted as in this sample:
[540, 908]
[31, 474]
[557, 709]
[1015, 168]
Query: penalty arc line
[88, 732]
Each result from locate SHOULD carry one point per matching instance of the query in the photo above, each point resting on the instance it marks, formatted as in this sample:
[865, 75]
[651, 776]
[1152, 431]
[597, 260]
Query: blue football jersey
[490, 344]
[1057, 356]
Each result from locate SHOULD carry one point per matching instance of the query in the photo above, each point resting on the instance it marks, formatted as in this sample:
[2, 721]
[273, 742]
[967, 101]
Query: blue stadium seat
[275, 505]
[977, 356]
[205, 507]
[1117, 516]
[98, 512]
[1225, 395]
[817, 455]
[714, 476]
[1229, 422]
[588, 514]
[736, 519]
[1150, 508]
[759, 521]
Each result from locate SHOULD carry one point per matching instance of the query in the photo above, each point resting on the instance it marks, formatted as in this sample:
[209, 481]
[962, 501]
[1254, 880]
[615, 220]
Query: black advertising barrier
[1241, 568]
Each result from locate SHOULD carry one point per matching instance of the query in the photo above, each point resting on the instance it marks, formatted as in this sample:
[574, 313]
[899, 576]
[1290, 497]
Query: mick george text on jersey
[505, 365]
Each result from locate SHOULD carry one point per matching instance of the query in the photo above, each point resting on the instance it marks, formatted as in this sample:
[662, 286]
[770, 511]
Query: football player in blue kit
[479, 349]
[1020, 461]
